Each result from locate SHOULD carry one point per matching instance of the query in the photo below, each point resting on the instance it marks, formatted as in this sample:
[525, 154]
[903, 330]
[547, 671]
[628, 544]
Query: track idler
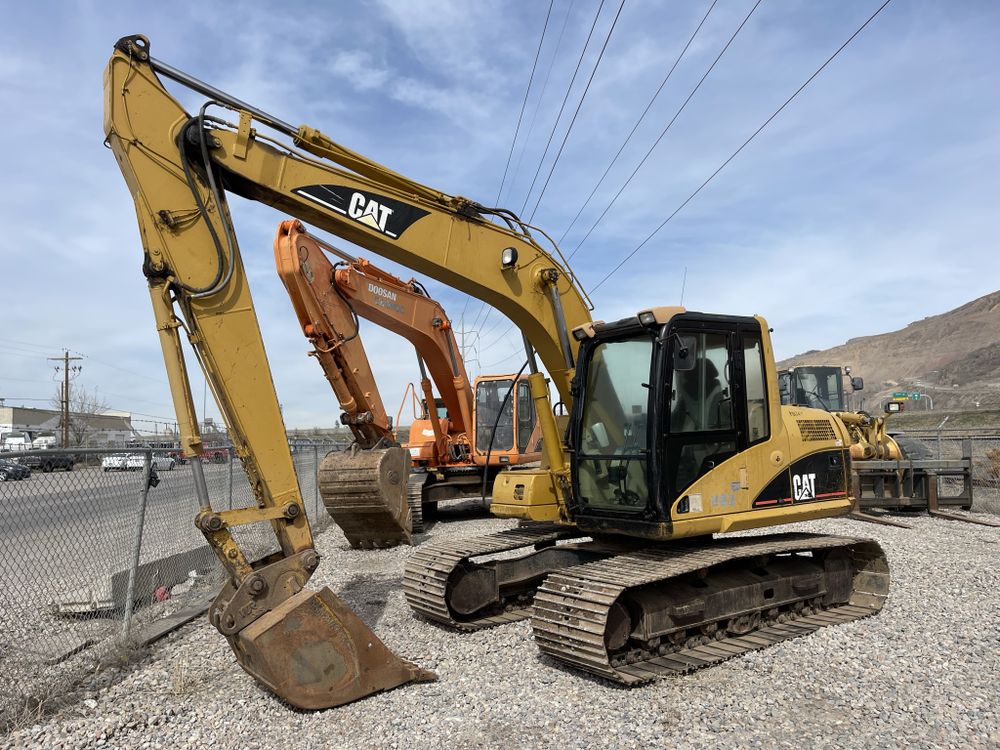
[305, 646]
[365, 491]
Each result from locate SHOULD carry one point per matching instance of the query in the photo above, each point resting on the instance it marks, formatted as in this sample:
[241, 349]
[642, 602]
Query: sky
[869, 202]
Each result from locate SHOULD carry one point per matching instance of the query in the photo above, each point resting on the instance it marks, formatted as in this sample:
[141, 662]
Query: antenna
[683, 285]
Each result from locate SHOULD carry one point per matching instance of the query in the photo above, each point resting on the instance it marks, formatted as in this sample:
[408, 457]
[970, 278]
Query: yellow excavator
[674, 431]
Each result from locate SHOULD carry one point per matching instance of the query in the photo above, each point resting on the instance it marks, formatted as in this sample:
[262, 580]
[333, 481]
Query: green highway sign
[915, 395]
[901, 395]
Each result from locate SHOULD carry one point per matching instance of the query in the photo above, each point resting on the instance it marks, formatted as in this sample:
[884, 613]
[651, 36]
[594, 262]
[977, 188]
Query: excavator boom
[356, 287]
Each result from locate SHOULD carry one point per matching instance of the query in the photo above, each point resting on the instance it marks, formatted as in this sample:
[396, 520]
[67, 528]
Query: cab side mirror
[685, 353]
[858, 384]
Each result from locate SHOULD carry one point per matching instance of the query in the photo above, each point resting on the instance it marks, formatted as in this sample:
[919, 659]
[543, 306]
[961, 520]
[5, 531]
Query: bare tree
[83, 404]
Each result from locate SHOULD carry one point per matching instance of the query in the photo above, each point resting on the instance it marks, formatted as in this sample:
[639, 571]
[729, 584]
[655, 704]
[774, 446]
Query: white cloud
[890, 156]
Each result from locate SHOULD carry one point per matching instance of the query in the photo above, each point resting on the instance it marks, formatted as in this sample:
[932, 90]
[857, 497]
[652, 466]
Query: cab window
[525, 416]
[490, 396]
[756, 389]
[613, 449]
[701, 398]
[701, 423]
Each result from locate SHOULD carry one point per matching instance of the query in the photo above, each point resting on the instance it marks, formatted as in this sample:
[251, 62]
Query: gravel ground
[924, 673]
[64, 535]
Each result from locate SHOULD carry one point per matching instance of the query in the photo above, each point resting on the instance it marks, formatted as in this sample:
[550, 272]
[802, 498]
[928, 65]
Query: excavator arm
[366, 489]
[356, 287]
[331, 325]
[306, 646]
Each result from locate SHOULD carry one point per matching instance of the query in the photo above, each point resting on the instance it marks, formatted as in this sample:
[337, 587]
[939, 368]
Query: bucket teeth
[366, 493]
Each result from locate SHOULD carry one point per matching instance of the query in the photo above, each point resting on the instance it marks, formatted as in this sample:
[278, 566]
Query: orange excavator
[370, 489]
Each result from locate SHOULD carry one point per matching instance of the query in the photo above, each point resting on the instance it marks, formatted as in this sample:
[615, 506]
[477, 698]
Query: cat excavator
[673, 432]
[365, 488]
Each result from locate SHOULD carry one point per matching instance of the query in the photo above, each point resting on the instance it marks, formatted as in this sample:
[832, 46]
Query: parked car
[208, 455]
[136, 461]
[10, 471]
[49, 462]
[114, 462]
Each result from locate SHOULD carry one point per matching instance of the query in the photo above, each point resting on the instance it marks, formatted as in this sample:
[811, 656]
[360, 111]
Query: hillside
[953, 357]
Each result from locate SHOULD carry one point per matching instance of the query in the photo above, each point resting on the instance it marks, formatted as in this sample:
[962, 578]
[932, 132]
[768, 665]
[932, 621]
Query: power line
[524, 102]
[498, 339]
[638, 122]
[524, 143]
[665, 130]
[15, 353]
[517, 128]
[122, 369]
[744, 145]
[6, 379]
[541, 98]
[577, 112]
[19, 351]
[552, 133]
[562, 107]
[22, 344]
[494, 327]
[515, 353]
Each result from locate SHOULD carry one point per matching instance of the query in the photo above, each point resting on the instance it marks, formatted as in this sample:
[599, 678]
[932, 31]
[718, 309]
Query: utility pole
[66, 359]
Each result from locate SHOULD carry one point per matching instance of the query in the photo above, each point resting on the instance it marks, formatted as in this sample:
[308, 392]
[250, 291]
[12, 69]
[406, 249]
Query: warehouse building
[24, 427]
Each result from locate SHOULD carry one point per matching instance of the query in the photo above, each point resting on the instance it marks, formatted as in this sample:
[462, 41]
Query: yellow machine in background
[822, 387]
[675, 429]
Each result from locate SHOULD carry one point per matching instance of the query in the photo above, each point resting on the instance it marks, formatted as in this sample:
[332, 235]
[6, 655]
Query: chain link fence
[98, 546]
[981, 446]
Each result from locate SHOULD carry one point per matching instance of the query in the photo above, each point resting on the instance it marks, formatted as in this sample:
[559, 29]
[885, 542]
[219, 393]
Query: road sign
[901, 394]
[915, 395]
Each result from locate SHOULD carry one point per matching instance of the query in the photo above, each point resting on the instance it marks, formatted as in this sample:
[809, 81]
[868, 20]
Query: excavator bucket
[314, 652]
[365, 491]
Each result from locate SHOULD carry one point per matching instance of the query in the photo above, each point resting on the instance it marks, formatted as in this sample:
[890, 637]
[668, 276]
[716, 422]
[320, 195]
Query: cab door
[704, 418]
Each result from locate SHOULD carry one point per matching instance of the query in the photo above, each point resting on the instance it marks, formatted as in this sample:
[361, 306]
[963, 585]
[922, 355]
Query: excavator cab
[660, 403]
[506, 423]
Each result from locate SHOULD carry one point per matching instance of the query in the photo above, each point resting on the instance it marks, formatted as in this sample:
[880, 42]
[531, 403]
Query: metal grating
[815, 429]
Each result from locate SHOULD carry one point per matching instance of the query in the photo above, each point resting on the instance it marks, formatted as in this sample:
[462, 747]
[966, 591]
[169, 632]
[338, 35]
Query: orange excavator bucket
[366, 493]
[314, 652]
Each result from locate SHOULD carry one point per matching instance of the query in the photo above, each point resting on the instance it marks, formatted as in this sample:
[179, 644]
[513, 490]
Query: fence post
[137, 542]
[229, 485]
[939, 427]
[315, 483]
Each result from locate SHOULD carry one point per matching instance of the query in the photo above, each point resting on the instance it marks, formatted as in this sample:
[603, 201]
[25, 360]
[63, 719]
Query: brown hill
[953, 357]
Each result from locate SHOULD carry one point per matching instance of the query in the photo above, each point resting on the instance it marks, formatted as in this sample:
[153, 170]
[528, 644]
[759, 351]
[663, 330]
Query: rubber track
[425, 578]
[415, 500]
[571, 607]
